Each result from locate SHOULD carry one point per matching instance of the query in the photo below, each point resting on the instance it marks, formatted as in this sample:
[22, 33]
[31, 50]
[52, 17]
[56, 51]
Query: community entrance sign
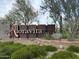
[30, 31]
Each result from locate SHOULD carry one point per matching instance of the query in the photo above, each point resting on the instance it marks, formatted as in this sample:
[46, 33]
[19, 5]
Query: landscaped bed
[11, 50]
[14, 50]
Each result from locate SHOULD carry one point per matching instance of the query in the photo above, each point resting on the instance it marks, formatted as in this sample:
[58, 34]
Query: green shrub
[29, 52]
[64, 55]
[37, 51]
[6, 43]
[49, 48]
[57, 35]
[7, 48]
[4, 57]
[65, 35]
[41, 57]
[23, 53]
[47, 36]
[73, 48]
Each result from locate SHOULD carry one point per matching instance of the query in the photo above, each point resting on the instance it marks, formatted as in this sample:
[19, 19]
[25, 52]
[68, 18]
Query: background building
[4, 29]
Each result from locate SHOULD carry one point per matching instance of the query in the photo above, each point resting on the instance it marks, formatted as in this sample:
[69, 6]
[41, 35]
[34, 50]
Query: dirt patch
[38, 41]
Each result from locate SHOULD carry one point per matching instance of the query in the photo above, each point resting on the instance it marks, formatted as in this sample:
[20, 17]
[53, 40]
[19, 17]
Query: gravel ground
[39, 41]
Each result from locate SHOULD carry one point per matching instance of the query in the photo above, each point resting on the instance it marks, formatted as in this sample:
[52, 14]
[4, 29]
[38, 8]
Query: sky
[6, 5]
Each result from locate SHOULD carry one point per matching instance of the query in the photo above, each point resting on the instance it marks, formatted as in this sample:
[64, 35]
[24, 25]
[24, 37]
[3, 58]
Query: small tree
[22, 12]
[54, 8]
[25, 11]
[68, 7]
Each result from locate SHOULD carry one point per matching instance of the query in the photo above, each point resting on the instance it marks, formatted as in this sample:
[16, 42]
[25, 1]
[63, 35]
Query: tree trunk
[61, 24]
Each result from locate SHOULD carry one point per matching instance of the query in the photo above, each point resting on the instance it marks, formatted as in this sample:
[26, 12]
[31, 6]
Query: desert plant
[7, 48]
[37, 51]
[65, 35]
[49, 48]
[47, 36]
[73, 48]
[56, 35]
[22, 54]
[29, 52]
[64, 55]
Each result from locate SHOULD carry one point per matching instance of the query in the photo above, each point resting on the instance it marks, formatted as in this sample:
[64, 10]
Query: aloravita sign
[31, 31]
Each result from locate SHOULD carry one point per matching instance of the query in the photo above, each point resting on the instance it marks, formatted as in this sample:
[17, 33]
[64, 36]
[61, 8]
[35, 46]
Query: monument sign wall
[31, 31]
